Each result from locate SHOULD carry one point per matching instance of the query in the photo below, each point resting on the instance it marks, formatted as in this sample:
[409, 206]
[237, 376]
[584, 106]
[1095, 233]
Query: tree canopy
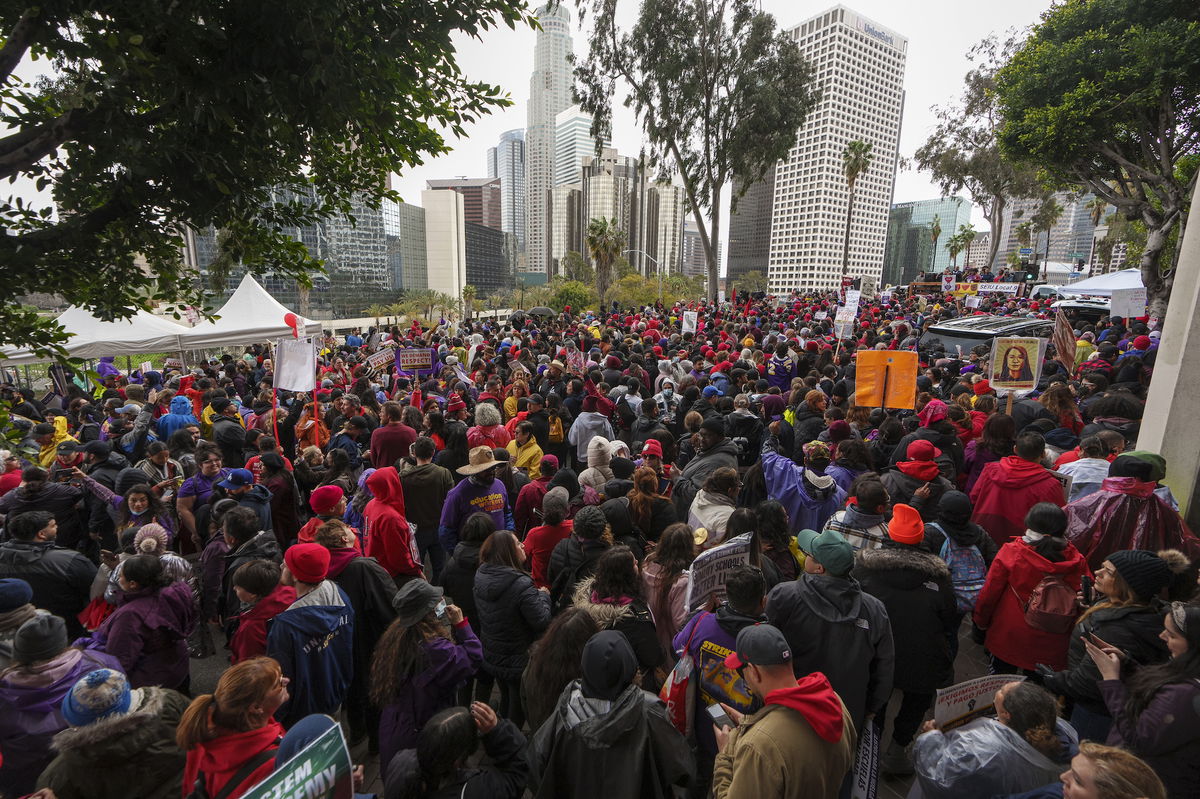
[214, 113]
[1106, 94]
[718, 90]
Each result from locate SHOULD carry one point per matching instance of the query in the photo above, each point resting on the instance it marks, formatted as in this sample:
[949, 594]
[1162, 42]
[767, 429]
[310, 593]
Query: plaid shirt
[859, 537]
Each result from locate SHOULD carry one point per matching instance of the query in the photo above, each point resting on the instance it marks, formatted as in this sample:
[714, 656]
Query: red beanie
[982, 387]
[325, 498]
[308, 563]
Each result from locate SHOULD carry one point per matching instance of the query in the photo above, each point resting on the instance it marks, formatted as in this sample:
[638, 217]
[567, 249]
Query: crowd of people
[483, 571]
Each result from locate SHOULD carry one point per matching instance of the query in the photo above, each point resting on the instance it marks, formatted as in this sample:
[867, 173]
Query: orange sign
[886, 379]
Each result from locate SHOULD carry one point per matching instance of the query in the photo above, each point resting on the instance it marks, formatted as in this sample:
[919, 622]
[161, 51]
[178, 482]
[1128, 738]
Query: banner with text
[322, 770]
[969, 700]
[710, 569]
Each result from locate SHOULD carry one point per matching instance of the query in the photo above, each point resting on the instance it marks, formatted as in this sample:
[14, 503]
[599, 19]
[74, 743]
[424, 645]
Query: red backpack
[1052, 605]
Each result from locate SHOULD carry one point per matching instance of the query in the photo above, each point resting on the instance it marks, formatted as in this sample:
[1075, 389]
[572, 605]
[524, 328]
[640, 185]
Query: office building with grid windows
[506, 161]
[858, 65]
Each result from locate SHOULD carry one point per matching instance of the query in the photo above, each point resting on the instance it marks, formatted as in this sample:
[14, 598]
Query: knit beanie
[906, 526]
[1144, 572]
[97, 695]
[40, 638]
[14, 593]
[308, 563]
[325, 498]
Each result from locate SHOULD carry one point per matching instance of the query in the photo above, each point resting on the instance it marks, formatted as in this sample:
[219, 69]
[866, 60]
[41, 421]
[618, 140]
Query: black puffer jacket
[514, 614]
[806, 427]
[1134, 629]
[572, 561]
[458, 579]
[633, 619]
[915, 588]
[61, 579]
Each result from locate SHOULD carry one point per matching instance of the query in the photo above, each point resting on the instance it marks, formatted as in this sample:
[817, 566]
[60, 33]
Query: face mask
[668, 392]
[133, 512]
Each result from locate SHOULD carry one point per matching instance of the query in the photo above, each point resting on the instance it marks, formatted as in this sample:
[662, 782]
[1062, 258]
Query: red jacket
[492, 436]
[389, 538]
[1018, 567]
[1006, 490]
[250, 640]
[221, 758]
[539, 544]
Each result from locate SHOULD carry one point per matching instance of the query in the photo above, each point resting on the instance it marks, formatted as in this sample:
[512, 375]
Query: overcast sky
[939, 34]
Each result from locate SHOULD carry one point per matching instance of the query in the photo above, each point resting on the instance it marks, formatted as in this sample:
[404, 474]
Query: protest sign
[969, 700]
[947, 281]
[866, 764]
[821, 315]
[886, 379]
[689, 321]
[1066, 480]
[382, 359]
[998, 288]
[321, 770]
[972, 302]
[1016, 364]
[145, 366]
[710, 568]
[414, 360]
[295, 364]
[1128, 303]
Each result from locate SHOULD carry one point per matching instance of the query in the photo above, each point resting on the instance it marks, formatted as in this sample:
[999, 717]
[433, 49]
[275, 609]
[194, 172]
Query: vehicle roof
[989, 323]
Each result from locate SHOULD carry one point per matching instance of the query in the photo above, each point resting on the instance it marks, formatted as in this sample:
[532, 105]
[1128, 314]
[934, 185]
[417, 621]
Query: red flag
[1064, 342]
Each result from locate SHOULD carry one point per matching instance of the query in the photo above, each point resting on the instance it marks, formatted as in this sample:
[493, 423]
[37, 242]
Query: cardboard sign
[973, 302]
[1066, 480]
[689, 321]
[947, 281]
[414, 360]
[967, 701]
[381, 359]
[711, 568]
[295, 364]
[1128, 303]
[146, 366]
[821, 315]
[886, 379]
[1016, 364]
[321, 770]
[865, 783]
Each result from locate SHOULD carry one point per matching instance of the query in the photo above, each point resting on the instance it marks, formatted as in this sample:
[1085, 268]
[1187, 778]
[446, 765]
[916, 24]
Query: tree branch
[18, 42]
[18, 151]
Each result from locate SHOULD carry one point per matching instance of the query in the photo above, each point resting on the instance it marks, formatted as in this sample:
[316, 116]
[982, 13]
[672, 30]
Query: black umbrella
[541, 310]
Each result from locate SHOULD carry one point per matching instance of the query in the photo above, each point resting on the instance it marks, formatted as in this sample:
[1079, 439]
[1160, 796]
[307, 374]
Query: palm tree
[604, 241]
[966, 235]
[1046, 218]
[935, 233]
[468, 301]
[856, 159]
[377, 311]
[954, 245]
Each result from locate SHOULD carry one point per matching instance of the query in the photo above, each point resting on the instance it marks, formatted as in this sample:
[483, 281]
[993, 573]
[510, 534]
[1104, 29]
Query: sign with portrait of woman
[1016, 364]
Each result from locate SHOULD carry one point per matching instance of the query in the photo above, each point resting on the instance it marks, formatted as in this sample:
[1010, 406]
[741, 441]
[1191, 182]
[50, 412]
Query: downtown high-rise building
[858, 66]
[481, 198]
[750, 228]
[1070, 237]
[573, 142]
[910, 246]
[506, 161]
[550, 92]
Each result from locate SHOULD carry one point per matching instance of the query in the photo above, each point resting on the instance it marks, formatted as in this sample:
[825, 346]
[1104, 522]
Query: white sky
[940, 32]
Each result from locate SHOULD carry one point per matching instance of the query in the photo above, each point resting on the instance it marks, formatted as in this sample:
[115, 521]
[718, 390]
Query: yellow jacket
[528, 457]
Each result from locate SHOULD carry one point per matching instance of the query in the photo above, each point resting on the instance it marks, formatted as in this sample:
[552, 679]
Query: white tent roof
[250, 316]
[91, 337]
[1103, 285]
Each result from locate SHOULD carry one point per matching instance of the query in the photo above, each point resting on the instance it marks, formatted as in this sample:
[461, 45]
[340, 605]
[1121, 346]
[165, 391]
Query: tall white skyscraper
[550, 92]
[507, 162]
[572, 143]
[859, 67]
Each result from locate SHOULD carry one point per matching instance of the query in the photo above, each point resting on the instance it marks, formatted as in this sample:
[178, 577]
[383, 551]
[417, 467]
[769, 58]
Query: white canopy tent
[91, 337]
[250, 316]
[1104, 285]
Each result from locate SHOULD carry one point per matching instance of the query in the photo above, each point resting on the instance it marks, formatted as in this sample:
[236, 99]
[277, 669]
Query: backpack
[200, 791]
[556, 429]
[1052, 606]
[967, 571]
[623, 416]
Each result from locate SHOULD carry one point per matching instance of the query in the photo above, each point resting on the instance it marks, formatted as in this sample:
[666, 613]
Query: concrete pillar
[1171, 423]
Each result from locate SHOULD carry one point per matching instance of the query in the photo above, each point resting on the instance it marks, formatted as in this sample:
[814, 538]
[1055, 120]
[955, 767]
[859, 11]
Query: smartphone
[719, 716]
[440, 610]
[1085, 584]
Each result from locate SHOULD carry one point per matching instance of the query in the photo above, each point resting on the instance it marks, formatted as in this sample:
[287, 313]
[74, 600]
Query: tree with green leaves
[468, 300]
[935, 233]
[966, 235]
[753, 281]
[856, 159]
[954, 245]
[718, 90]
[605, 242]
[963, 154]
[576, 267]
[157, 119]
[1104, 95]
[1043, 220]
[561, 293]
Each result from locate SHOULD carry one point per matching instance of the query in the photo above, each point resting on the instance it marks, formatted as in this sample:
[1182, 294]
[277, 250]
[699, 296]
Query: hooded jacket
[914, 586]
[513, 614]
[1126, 514]
[693, 476]
[712, 512]
[136, 752]
[229, 434]
[389, 538]
[903, 482]
[148, 634]
[597, 472]
[313, 641]
[458, 579]
[258, 499]
[1014, 573]
[586, 427]
[1005, 492]
[808, 507]
[262, 546]
[61, 579]
[572, 560]
[627, 615]
[250, 640]
[801, 743]
[954, 520]
[598, 748]
[220, 759]
[180, 416]
[425, 488]
[835, 628]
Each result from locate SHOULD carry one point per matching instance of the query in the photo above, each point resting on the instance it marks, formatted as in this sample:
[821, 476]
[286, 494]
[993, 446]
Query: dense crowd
[483, 570]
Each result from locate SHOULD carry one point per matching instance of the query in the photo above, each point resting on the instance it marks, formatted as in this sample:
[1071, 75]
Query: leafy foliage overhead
[159, 117]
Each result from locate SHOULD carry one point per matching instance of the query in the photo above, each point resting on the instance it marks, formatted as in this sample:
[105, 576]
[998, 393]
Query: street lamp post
[656, 268]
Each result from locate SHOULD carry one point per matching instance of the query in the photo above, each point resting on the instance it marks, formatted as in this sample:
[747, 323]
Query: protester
[1008, 488]
[60, 579]
[554, 661]
[258, 586]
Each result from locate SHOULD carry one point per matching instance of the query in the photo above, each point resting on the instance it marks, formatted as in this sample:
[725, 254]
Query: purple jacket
[30, 716]
[212, 576]
[447, 666]
[1166, 735]
[785, 483]
[148, 634]
[843, 476]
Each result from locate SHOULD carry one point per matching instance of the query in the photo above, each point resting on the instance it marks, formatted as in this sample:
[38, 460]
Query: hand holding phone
[720, 717]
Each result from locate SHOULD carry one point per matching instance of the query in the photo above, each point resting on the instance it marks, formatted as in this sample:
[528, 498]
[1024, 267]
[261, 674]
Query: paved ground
[971, 663]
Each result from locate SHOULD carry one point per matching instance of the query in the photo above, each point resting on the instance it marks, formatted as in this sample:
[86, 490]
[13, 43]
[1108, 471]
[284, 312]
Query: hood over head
[385, 487]
[608, 665]
[181, 405]
[598, 453]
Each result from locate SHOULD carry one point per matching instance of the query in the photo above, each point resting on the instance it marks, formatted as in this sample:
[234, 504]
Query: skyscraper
[750, 229]
[550, 92]
[481, 198]
[507, 162]
[1070, 236]
[694, 264]
[859, 67]
[572, 143]
[909, 247]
